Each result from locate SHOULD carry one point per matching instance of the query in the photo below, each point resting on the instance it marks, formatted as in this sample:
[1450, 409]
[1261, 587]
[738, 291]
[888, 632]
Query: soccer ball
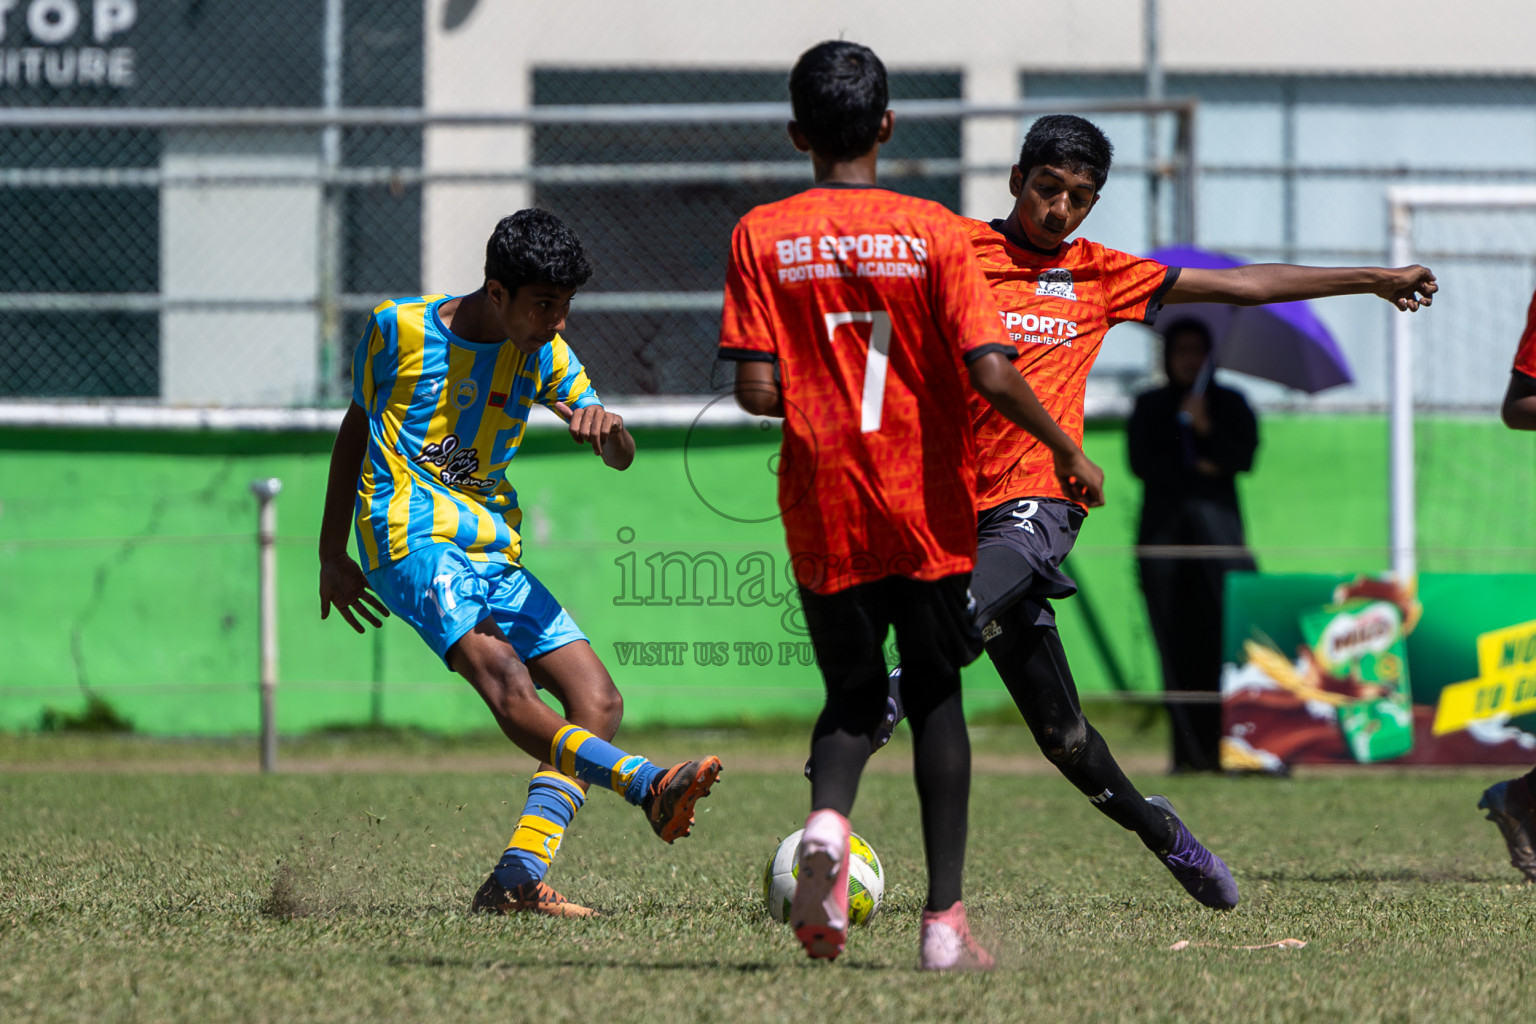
[866, 880]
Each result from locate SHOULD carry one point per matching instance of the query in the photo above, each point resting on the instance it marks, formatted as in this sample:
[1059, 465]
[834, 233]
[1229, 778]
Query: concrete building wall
[480, 55]
[1490, 36]
[240, 242]
[504, 42]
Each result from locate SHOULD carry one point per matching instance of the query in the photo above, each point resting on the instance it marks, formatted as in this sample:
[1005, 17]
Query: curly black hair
[1066, 140]
[535, 247]
[839, 94]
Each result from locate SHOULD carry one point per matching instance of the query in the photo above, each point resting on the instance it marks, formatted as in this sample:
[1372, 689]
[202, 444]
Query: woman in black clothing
[1188, 440]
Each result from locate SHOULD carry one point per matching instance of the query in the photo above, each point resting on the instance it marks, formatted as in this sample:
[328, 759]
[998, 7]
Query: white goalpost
[1481, 243]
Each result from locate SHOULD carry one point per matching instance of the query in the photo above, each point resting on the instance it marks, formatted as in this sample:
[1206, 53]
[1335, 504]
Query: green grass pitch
[193, 892]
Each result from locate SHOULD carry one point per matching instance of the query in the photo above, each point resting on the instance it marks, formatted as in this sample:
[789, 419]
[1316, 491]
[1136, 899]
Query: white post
[988, 141]
[1189, 182]
[1403, 524]
[1154, 89]
[266, 542]
[330, 205]
[332, 33]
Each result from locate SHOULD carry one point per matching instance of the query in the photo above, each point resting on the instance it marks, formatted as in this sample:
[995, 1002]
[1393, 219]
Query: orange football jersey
[1056, 309]
[869, 302]
[1525, 355]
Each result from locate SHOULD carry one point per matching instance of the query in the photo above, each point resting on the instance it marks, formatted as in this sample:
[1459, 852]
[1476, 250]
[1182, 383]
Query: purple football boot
[1202, 874]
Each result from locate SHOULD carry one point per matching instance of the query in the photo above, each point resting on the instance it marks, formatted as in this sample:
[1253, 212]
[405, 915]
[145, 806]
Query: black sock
[839, 757]
[843, 738]
[1096, 773]
[1034, 667]
[941, 762]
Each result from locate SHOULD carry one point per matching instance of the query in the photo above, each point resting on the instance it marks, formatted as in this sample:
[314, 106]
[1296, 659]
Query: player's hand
[590, 424]
[343, 584]
[1082, 481]
[1408, 288]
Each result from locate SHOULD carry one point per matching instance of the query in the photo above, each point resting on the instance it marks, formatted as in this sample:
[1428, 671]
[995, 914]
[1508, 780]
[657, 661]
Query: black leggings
[935, 639]
[1033, 666]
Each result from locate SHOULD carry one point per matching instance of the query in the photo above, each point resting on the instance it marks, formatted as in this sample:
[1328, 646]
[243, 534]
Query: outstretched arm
[342, 582]
[1407, 288]
[996, 380]
[1519, 409]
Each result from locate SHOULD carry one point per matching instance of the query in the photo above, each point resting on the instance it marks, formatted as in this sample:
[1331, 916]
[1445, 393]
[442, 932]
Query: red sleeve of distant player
[1133, 287]
[746, 326]
[1525, 355]
[964, 305]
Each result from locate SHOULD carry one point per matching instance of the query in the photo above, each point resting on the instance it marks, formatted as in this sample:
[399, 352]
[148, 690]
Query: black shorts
[1019, 549]
[935, 627]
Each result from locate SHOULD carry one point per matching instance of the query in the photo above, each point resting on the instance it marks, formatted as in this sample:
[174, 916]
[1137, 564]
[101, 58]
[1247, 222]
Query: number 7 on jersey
[875, 364]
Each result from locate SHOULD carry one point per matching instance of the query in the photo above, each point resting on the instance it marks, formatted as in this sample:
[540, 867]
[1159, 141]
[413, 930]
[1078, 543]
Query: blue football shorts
[443, 594]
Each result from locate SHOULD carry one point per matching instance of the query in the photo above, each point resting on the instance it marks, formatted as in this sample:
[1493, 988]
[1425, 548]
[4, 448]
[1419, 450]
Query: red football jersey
[869, 301]
[1525, 355]
[1056, 309]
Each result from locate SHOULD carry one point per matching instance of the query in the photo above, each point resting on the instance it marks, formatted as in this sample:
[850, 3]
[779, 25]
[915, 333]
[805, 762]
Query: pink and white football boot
[819, 911]
[948, 945]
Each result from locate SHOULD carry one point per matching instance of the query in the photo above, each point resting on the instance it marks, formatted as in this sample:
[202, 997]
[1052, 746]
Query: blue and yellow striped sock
[553, 801]
[597, 762]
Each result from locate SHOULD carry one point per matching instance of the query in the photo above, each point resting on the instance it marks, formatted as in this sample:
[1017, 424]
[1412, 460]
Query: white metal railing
[665, 412]
[613, 114]
[156, 302]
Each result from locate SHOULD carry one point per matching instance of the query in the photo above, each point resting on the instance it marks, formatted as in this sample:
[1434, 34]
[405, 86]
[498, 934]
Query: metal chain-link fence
[126, 251]
[671, 233]
[230, 260]
[227, 260]
[200, 203]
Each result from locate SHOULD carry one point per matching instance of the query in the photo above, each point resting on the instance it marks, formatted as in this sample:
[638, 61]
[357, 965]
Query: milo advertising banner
[1338, 670]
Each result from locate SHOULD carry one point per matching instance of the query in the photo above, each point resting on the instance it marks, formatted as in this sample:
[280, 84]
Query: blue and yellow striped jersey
[445, 418]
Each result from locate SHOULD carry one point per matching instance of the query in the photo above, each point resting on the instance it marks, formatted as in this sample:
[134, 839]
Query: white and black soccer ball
[866, 880]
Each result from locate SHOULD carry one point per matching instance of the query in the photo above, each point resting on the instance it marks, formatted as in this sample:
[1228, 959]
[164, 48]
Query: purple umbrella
[1284, 342]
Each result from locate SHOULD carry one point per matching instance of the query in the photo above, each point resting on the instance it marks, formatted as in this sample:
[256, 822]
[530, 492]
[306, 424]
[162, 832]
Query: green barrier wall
[128, 569]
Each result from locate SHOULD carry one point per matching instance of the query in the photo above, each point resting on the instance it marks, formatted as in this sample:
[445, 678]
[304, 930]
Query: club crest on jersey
[459, 464]
[464, 393]
[1058, 282]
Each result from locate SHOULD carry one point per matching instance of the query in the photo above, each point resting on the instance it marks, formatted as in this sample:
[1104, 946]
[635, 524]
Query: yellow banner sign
[1506, 682]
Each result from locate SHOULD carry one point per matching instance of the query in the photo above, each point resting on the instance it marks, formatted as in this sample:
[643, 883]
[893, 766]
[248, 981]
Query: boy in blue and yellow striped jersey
[442, 387]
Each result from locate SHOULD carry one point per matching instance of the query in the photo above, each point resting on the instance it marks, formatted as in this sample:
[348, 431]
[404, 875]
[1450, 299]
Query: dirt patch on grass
[284, 900]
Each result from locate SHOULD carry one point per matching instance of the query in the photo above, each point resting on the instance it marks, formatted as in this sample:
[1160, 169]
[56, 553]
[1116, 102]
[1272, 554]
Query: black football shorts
[1019, 549]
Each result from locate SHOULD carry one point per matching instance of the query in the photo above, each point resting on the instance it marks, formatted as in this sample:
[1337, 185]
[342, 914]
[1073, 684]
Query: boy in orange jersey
[1057, 300]
[857, 314]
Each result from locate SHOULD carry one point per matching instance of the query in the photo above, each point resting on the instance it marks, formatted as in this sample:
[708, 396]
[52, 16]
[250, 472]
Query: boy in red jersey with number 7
[856, 314]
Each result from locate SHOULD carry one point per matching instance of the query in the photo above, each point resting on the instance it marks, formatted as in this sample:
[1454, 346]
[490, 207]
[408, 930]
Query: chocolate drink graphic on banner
[1428, 674]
